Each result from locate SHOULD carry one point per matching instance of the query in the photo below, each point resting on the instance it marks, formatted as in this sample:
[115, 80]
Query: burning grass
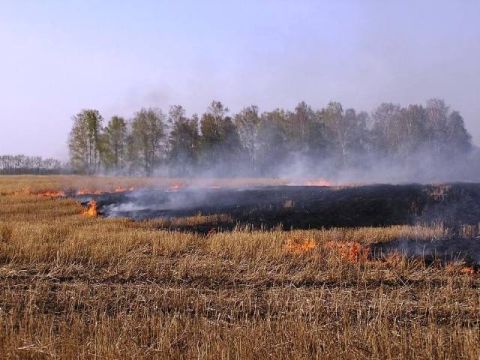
[299, 245]
[78, 185]
[350, 250]
[87, 287]
[91, 210]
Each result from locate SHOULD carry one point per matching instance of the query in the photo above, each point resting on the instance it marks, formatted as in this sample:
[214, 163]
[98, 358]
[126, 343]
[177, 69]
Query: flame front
[91, 210]
[310, 182]
[351, 251]
[468, 270]
[120, 189]
[318, 182]
[52, 193]
[176, 186]
[89, 192]
[299, 246]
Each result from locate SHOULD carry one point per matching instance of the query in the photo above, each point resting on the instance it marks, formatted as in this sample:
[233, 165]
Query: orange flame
[211, 232]
[351, 251]
[176, 186]
[318, 182]
[89, 192]
[91, 210]
[51, 193]
[46, 193]
[468, 270]
[298, 246]
[118, 189]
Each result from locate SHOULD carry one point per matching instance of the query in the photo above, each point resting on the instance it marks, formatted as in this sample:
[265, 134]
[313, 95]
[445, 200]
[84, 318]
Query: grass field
[78, 287]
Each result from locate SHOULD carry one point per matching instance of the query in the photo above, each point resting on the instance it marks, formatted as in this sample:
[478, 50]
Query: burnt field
[300, 207]
[205, 210]
[129, 284]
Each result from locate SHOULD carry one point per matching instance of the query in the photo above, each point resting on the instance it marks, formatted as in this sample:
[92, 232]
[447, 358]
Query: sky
[58, 57]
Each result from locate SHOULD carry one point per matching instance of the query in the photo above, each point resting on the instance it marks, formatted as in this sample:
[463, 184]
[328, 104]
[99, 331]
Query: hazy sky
[59, 56]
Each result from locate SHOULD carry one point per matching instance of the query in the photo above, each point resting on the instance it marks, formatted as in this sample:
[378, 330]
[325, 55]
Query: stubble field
[73, 286]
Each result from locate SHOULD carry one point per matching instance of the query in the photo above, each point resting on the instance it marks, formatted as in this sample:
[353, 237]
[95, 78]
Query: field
[73, 286]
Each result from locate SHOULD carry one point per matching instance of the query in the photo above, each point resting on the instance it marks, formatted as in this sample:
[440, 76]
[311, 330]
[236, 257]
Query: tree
[114, 144]
[84, 141]
[247, 122]
[411, 130]
[272, 141]
[220, 142]
[337, 128]
[458, 138]
[147, 135]
[356, 139]
[299, 125]
[385, 137]
[437, 115]
[183, 141]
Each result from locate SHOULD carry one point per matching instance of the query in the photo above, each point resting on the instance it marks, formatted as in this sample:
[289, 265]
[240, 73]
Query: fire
[455, 269]
[176, 186]
[211, 232]
[91, 210]
[299, 246]
[46, 193]
[51, 193]
[468, 270]
[318, 182]
[118, 189]
[351, 250]
[89, 192]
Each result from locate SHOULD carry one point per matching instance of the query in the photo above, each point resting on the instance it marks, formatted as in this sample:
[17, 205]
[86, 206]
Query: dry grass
[78, 287]
[24, 184]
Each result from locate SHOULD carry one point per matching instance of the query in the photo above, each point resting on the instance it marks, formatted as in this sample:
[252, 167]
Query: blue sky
[60, 56]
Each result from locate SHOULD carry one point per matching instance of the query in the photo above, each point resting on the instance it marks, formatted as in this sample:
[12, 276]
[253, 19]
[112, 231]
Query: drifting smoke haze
[393, 144]
[422, 168]
[446, 249]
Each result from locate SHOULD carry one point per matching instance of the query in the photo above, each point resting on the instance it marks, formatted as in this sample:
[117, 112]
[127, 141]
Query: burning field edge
[77, 285]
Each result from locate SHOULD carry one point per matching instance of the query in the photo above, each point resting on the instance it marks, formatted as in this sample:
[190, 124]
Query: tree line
[22, 164]
[254, 143]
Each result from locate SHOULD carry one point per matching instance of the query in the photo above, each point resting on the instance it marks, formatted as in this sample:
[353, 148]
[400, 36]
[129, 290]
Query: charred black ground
[444, 250]
[303, 207]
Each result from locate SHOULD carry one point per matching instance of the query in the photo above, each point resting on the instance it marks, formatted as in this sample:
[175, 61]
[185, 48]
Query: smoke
[394, 144]
[423, 167]
[304, 206]
[413, 144]
[146, 203]
[446, 249]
